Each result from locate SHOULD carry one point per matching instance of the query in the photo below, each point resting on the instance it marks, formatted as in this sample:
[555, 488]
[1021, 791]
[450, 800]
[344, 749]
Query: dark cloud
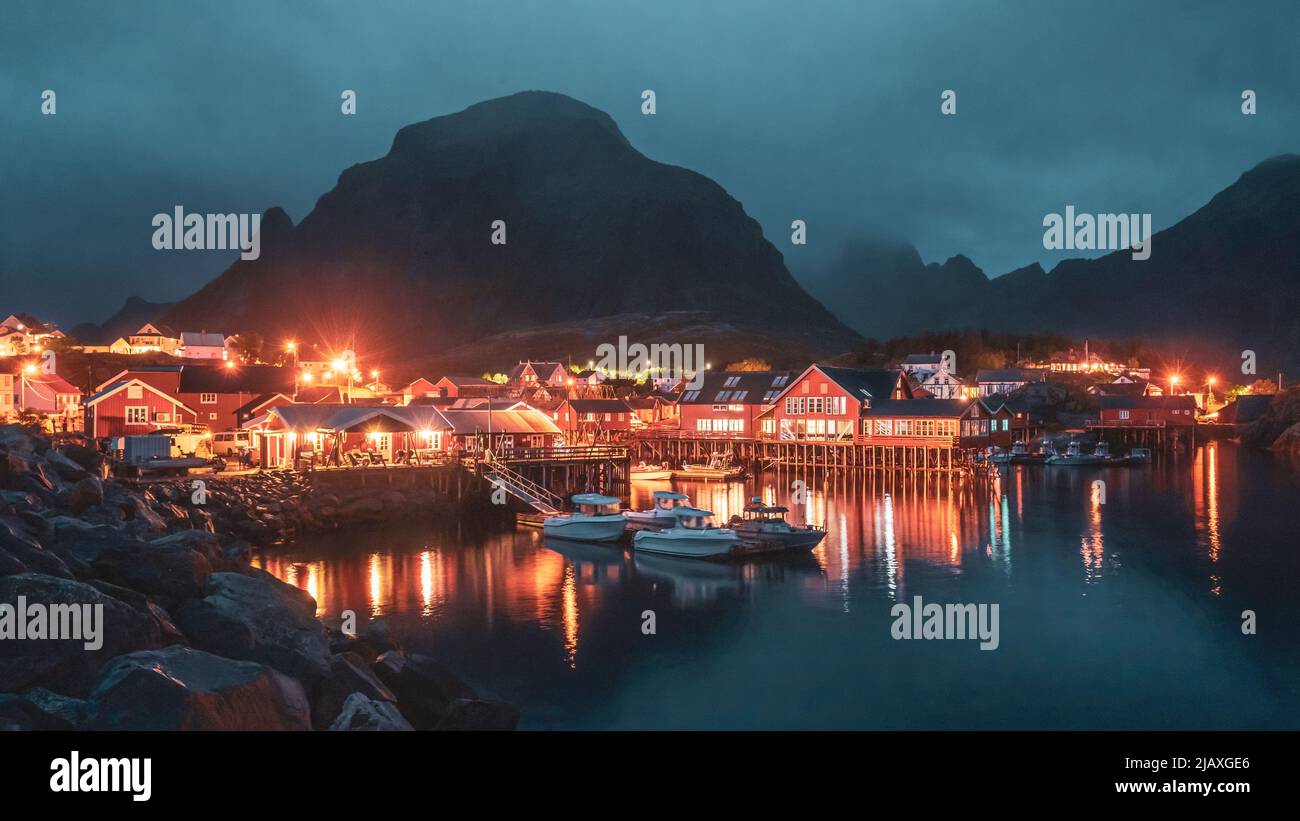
[825, 111]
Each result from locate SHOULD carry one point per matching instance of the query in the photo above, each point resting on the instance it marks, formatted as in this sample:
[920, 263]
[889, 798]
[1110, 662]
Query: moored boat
[661, 515]
[595, 518]
[694, 536]
[651, 473]
[763, 528]
[1021, 455]
[718, 467]
[1074, 455]
[1136, 456]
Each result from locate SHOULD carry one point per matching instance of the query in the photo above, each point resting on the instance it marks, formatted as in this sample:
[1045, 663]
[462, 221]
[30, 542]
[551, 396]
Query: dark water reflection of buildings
[1213, 525]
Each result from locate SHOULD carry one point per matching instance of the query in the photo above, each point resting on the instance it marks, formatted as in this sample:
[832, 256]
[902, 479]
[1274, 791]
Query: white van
[229, 442]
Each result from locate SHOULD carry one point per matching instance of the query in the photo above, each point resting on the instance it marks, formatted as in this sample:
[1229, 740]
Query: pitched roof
[317, 394]
[250, 409]
[239, 379]
[158, 330]
[203, 339]
[117, 386]
[737, 388]
[1119, 388]
[339, 417]
[465, 381]
[48, 385]
[523, 421]
[876, 384]
[943, 408]
[923, 359]
[599, 405]
[1001, 375]
[543, 369]
[1183, 402]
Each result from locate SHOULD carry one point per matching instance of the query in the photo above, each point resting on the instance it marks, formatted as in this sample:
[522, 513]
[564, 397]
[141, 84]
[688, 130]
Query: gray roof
[1001, 375]
[876, 384]
[747, 388]
[942, 408]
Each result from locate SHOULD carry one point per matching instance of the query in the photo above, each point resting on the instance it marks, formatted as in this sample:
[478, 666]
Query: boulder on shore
[66, 666]
[348, 675]
[257, 617]
[179, 688]
[361, 713]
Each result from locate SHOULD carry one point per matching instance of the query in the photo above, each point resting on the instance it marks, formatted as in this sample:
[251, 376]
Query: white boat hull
[651, 475]
[583, 528]
[707, 544]
[649, 520]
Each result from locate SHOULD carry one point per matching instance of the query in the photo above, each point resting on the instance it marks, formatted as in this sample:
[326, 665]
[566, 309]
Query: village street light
[1173, 385]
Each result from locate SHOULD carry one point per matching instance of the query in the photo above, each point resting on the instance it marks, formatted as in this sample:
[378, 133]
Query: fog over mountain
[1221, 280]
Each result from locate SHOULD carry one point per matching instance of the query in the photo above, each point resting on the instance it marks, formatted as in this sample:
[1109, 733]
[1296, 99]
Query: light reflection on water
[1122, 613]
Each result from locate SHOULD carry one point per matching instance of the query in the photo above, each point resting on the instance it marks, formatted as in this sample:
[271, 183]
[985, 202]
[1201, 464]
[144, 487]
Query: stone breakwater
[192, 636]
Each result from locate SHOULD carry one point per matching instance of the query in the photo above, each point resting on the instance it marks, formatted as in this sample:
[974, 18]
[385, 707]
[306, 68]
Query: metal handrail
[540, 493]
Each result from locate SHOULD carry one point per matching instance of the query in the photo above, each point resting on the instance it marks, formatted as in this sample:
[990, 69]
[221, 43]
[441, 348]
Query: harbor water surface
[1117, 610]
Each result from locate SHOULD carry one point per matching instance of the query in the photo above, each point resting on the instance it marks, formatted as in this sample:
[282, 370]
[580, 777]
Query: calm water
[1125, 614]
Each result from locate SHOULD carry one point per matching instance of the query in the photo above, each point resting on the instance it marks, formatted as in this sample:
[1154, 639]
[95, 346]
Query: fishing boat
[996, 455]
[718, 467]
[694, 536]
[595, 518]
[1136, 456]
[1074, 455]
[651, 473]
[661, 516]
[763, 528]
[1021, 455]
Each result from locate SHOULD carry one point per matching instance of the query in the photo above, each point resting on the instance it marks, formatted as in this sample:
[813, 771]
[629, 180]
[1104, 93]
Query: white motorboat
[595, 518]
[661, 516]
[763, 528]
[651, 473]
[694, 536]
[718, 467]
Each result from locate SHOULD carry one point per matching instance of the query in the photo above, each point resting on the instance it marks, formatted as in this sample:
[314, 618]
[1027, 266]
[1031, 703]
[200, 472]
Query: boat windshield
[668, 504]
[697, 522]
[598, 510]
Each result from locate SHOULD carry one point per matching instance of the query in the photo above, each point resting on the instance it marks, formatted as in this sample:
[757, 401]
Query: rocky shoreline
[191, 635]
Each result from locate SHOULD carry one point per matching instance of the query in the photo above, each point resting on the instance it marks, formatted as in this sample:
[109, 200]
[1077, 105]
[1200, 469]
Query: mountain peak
[524, 113]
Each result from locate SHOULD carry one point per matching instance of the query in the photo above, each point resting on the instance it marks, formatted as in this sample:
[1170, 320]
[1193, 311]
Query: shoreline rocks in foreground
[191, 636]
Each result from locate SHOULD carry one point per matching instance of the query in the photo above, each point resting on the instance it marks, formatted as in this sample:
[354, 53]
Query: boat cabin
[756, 511]
[593, 504]
[668, 500]
[692, 518]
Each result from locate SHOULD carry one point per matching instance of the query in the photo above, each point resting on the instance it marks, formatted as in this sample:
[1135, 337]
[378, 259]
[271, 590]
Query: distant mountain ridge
[126, 321]
[398, 256]
[1223, 280]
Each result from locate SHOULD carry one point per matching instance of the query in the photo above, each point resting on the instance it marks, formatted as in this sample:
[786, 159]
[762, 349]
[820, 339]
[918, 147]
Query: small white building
[203, 345]
[942, 385]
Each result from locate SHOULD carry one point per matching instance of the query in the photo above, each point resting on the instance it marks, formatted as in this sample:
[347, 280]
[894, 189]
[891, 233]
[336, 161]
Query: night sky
[822, 111]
